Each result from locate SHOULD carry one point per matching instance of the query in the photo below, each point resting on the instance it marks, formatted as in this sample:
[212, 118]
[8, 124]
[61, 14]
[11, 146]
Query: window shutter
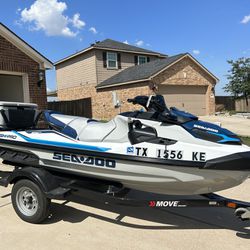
[136, 60]
[119, 60]
[104, 58]
[148, 59]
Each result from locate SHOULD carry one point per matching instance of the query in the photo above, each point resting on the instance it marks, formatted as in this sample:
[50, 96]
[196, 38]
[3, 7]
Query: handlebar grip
[130, 100]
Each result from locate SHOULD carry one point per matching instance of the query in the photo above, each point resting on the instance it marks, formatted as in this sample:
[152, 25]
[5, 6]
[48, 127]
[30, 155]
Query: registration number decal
[169, 154]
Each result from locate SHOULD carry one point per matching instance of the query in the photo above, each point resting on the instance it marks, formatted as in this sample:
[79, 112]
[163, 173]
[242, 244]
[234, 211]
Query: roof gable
[25, 47]
[147, 71]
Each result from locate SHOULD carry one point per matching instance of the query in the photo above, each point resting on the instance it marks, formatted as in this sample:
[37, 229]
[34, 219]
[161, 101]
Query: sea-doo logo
[86, 160]
[164, 203]
[8, 136]
[206, 128]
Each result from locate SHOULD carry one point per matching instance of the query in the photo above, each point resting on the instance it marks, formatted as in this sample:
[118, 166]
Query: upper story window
[142, 59]
[112, 60]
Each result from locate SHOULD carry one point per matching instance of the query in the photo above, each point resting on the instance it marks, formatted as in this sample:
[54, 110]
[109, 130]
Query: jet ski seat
[96, 131]
[80, 128]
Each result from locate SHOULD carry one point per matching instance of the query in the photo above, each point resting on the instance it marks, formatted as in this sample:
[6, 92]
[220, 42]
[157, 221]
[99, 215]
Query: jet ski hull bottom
[165, 180]
[206, 184]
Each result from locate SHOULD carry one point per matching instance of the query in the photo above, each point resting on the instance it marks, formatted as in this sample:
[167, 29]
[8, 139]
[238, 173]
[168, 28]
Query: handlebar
[131, 100]
[155, 103]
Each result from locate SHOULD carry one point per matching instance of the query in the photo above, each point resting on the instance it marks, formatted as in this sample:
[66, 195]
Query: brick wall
[14, 60]
[102, 104]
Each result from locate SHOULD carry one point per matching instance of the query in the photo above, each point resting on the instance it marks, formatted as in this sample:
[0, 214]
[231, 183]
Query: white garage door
[189, 98]
[11, 88]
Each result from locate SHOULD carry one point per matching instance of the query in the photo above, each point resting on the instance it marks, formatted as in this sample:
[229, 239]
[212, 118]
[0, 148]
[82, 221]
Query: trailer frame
[60, 186]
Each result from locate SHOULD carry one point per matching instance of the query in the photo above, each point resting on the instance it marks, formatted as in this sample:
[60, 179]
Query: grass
[246, 140]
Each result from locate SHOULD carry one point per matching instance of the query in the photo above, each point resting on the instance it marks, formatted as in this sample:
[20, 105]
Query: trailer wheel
[29, 201]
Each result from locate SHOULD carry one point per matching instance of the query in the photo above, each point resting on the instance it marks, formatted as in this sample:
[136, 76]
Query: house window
[142, 59]
[112, 60]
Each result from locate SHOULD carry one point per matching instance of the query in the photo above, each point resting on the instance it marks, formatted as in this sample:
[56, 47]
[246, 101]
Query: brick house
[110, 68]
[22, 70]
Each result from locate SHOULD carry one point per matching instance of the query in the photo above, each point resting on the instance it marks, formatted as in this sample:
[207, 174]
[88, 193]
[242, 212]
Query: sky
[212, 31]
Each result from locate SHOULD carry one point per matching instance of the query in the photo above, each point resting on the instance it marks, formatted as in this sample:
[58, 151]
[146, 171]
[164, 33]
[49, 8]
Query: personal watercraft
[157, 150]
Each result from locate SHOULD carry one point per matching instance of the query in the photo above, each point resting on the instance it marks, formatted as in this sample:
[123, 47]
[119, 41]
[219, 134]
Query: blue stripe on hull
[62, 144]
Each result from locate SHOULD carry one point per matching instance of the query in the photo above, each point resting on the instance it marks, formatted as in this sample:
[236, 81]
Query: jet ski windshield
[156, 109]
[151, 103]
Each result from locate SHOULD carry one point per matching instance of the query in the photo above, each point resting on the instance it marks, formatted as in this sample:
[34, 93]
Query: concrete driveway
[238, 125]
[93, 225]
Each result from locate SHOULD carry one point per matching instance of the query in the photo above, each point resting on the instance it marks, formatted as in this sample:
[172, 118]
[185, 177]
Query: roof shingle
[109, 44]
[139, 72]
[112, 44]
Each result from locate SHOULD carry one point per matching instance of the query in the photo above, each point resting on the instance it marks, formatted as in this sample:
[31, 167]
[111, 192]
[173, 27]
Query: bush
[232, 112]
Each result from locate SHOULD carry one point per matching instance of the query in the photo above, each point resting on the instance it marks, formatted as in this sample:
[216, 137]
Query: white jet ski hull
[141, 167]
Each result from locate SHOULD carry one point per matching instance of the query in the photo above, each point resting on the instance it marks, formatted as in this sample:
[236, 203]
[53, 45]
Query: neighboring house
[22, 70]
[110, 68]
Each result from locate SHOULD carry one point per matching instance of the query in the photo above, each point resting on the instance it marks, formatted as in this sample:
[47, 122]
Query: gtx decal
[86, 160]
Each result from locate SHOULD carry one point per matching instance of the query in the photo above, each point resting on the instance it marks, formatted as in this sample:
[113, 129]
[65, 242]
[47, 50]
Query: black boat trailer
[34, 188]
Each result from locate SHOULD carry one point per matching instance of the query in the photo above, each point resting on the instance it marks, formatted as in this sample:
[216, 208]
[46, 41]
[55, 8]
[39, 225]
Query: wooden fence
[230, 103]
[225, 102]
[81, 107]
[242, 105]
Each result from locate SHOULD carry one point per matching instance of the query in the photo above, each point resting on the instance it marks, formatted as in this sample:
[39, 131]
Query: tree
[239, 78]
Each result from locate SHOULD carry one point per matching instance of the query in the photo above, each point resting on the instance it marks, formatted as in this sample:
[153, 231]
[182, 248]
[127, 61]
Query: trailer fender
[45, 180]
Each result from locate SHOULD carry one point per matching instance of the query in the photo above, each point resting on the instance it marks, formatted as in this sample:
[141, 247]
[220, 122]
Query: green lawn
[246, 140]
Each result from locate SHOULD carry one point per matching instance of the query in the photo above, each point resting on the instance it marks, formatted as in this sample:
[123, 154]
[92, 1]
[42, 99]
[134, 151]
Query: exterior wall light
[40, 78]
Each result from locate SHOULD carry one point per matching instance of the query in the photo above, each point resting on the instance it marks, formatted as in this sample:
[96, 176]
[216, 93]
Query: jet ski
[157, 149]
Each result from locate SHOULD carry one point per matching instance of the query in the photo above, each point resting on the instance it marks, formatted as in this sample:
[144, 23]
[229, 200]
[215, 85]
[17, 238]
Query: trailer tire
[29, 201]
